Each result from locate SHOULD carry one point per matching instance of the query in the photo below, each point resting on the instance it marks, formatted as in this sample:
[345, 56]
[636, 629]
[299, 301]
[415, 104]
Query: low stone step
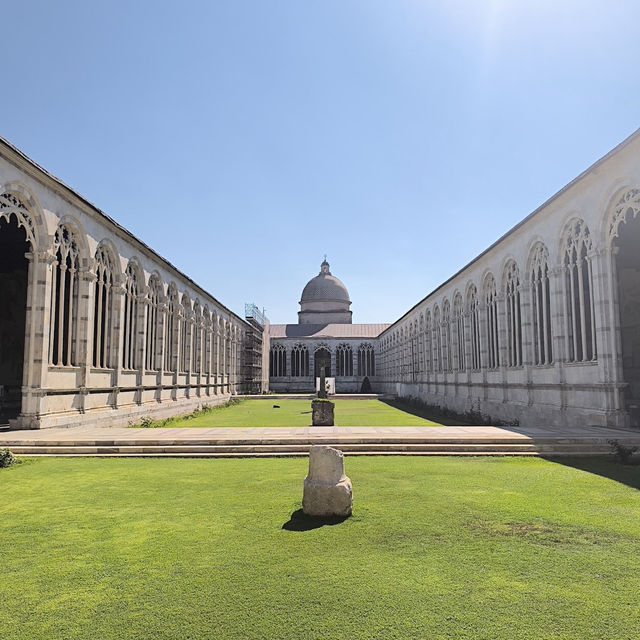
[304, 454]
[302, 449]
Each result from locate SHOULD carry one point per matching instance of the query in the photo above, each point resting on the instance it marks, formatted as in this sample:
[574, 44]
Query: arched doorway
[322, 355]
[14, 268]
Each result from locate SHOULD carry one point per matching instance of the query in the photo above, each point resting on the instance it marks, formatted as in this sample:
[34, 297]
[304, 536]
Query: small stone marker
[327, 490]
[322, 413]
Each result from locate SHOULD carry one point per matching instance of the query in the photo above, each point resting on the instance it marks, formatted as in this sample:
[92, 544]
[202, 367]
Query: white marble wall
[564, 391]
[67, 394]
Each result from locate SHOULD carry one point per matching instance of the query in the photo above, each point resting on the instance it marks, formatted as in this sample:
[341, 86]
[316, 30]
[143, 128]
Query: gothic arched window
[103, 309]
[278, 361]
[152, 350]
[474, 324]
[206, 344]
[64, 299]
[130, 327]
[196, 348]
[344, 360]
[185, 334]
[580, 314]
[171, 329]
[366, 360]
[541, 305]
[513, 315]
[446, 336]
[458, 322]
[493, 341]
[437, 340]
[428, 353]
[300, 361]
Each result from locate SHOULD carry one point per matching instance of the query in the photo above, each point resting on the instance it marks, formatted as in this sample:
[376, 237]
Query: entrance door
[320, 355]
[13, 301]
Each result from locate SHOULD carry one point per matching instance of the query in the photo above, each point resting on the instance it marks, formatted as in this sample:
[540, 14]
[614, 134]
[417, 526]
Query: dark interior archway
[628, 272]
[13, 301]
[322, 354]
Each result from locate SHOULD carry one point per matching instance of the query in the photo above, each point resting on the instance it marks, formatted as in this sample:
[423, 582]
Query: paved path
[307, 434]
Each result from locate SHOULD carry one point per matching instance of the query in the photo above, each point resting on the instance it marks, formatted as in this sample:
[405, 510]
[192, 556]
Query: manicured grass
[437, 548]
[297, 413]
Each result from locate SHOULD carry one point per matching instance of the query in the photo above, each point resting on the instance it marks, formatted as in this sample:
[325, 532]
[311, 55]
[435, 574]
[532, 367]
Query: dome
[325, 287]
[324, 300]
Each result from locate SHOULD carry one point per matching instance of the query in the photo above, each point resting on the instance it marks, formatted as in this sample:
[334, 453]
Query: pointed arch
[579, 314]
[513, 315]
[103, 306]
[133, 282]
[153, 350]
[64, 298]
[540, 292]
[490, 295]
[473, 309]
[458, 323]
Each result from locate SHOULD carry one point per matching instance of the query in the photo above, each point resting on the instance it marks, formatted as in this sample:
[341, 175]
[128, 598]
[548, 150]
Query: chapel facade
[325, 336]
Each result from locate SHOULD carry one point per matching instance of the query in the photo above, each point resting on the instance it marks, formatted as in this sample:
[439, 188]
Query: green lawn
[297, 413]
[437, 548]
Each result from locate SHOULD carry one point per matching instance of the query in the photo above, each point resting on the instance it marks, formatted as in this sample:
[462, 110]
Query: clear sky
[243, 140]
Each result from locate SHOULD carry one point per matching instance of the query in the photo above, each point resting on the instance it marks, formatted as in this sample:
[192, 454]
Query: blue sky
[243, 140]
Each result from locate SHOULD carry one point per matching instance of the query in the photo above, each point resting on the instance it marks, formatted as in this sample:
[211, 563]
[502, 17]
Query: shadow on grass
[628, 474]
[428, 413]
[299, 521]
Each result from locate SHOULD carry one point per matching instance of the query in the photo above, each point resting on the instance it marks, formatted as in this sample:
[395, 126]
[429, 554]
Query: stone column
[216, 355]
[141, 342]
[115, 354]
[526, 315]
[84, 331]
[162, 346]
[37, 336]
[559, 323]
[606, 318]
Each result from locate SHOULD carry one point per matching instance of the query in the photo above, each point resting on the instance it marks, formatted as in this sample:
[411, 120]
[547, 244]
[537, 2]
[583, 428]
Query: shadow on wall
[435, 414]
[628, 474]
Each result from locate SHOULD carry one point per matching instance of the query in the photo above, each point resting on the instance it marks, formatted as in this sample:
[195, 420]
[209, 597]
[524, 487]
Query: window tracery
[154, 326]
[299, 360]
[541, 305]
[103, 309]
[344, 360]
[130, 327]
[458, 322]
[366, 360]
[278, 361]
[64, 299]
[446, 336]
[474, 326]
[171, 329]
[580, 315]
[493, 340]
[513, 315]
[437, 340]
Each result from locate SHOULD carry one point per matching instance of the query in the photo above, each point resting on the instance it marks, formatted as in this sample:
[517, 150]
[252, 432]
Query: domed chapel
[325, 333]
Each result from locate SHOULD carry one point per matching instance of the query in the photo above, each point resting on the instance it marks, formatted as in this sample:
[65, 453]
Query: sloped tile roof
[326, 330]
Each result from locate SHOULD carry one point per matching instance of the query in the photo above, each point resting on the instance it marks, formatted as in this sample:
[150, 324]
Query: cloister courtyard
[122, 546]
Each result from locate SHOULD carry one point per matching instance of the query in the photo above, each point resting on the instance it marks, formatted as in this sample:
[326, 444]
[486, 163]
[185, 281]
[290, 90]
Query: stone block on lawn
[327, 490]
[322, 413]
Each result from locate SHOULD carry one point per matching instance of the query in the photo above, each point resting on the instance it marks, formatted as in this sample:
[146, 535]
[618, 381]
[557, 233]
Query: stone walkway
[450, 440]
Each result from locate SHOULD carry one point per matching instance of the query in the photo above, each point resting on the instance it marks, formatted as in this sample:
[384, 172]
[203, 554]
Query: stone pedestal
[322, 413]
[327, 490]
